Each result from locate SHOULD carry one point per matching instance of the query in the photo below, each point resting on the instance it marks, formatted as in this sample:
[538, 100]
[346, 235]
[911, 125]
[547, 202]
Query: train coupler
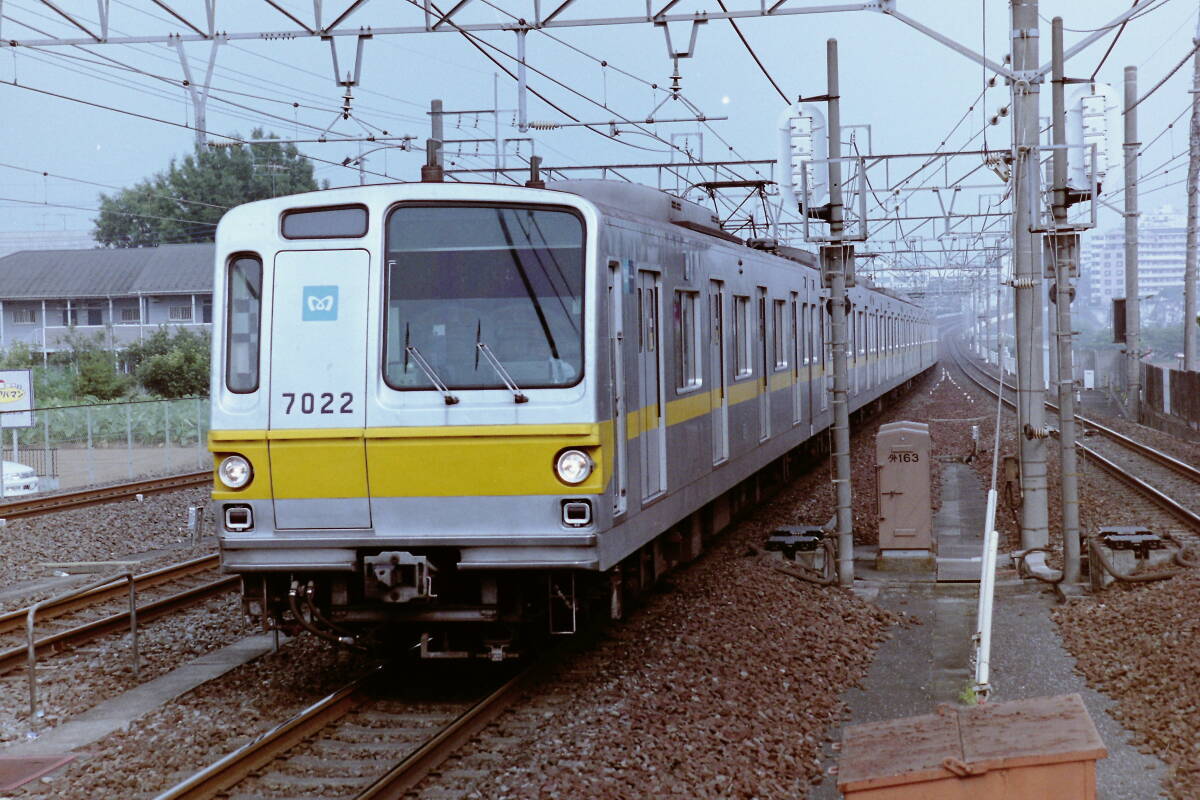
[398, 577]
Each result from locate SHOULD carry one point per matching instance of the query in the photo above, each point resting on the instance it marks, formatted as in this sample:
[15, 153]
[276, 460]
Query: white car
[19, 479]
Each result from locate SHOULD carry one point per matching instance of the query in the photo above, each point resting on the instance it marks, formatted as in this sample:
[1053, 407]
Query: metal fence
[1172, 395]
[85, 445]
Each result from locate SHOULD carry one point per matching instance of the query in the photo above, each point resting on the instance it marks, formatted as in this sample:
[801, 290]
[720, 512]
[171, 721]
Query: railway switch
[793, 539]
[1138, 540]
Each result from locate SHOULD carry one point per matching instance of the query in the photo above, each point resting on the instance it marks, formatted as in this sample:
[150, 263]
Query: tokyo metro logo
[319, 304]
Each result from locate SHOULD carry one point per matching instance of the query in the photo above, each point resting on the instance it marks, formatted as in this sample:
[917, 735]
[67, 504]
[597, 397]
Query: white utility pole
[1133, 318]
[1193, 193]
[1027, 278]
[836, 261]
[1065, 243]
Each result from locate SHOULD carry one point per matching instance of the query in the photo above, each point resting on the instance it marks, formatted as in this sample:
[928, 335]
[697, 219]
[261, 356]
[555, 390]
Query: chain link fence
[88, 445]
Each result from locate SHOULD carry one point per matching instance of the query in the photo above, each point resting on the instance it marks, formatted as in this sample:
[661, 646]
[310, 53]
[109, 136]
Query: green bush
[172, 366]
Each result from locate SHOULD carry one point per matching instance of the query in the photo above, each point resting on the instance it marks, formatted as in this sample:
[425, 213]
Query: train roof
[646, 202]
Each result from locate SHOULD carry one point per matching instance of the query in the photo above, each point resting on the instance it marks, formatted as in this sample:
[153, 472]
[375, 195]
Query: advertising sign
[16, 398]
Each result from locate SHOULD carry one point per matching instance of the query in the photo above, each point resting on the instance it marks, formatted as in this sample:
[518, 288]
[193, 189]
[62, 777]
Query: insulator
[544, 126]
[1036, 433]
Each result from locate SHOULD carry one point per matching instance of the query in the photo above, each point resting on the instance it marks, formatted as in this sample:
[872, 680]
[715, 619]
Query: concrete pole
[841, 382]
[436, 128]
[1133, 317]
[1066, 253]
[1193, 193]
[1027, 280]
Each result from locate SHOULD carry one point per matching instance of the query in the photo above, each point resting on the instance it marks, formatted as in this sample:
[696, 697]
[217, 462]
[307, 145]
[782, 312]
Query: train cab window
[467, 281]
[743, 346]
[244, 304]
[687, 341]
[330, 222]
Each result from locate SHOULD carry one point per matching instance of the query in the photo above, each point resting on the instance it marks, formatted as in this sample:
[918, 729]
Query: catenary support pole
[1027, 279]
[1065, 254]
[837, 324]
[1190, 324]
[1133, 317]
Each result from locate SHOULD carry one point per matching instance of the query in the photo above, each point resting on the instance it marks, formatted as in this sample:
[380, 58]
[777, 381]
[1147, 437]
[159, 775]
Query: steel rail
[1167, 502]
[409, 772]
[14, 620]
[1165, 459]
[14, 658]
[268, 746]
[103, 494]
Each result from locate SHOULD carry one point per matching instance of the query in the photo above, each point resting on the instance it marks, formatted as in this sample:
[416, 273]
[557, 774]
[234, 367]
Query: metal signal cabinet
[902, 465]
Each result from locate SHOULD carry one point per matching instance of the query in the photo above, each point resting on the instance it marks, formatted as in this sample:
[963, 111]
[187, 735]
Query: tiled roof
[101, 272]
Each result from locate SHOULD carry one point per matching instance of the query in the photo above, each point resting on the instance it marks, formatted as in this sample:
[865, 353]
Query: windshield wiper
[411, 350]
[518, 395]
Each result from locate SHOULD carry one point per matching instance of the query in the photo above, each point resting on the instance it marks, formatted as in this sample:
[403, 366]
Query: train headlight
[573, 466]
[234, 472]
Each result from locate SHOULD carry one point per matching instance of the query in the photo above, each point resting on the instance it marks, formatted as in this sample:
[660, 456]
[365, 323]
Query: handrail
[31, 618]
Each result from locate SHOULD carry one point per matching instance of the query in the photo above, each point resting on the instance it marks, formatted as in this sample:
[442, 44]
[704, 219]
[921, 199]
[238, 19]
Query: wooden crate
[1043, 748]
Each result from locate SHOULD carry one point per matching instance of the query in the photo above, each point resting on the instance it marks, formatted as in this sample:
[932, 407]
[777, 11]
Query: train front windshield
[466, 282]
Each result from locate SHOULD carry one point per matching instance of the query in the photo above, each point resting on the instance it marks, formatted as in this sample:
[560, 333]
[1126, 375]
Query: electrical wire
[148, 118]
[1165, 78]
[1139, 15]
[753, 54]
[1111, 45]
[44, 173]
[108, 211]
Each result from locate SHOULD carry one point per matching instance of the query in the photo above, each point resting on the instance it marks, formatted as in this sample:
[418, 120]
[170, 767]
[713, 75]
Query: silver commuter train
[448, 414]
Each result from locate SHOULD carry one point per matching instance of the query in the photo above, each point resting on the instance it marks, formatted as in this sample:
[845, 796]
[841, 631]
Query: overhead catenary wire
[479, 43]
[753, 54]
[46, 173]
[1165, 78]
[149, 118]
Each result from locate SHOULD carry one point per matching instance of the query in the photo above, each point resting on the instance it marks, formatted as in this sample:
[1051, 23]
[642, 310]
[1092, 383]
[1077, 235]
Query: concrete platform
[930, 663]
[118, 712]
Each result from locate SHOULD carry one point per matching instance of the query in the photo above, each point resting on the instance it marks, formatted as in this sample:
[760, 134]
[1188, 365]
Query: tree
[95, 370]
[184, 203]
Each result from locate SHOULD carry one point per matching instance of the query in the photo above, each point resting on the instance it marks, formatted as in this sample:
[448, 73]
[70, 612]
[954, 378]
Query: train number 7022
[323, 403]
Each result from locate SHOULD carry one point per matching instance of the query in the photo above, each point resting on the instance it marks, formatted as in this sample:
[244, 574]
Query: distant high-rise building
[1162, 240]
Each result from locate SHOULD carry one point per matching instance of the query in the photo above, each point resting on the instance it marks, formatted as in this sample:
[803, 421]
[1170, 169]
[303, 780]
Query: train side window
[330, 222]
[687, 341]
[243, 320]
[779, 320]
[743, 347]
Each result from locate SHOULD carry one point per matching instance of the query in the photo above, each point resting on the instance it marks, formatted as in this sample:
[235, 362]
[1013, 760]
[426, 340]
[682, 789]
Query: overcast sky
[911, 90]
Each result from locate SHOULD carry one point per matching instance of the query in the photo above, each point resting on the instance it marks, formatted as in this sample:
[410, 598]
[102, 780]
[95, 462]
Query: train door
[856, 347]
[824, 331]
[650, 371]
[808, 322]
[318, 389]
[720, 398]
[764, 369]
[616, 364]
[794, 349]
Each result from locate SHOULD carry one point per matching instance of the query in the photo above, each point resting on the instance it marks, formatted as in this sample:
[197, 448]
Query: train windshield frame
[465, 281]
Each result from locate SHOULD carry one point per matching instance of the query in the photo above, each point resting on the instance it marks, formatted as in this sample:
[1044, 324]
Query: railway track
[13, 622]
[1169, 483]
[15, 509]
[375, 738]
